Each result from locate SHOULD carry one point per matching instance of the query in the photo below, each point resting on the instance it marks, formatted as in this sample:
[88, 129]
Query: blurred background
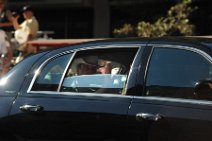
[120, 18]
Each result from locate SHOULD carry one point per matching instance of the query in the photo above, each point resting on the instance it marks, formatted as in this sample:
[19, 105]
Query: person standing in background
[6, 26]
[30, 26]
[6, 54]
[6, 19]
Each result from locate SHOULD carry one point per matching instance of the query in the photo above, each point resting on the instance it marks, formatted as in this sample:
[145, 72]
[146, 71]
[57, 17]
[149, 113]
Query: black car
[115, 89]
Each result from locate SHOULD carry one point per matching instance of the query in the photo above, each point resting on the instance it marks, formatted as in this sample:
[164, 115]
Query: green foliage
[175, 23]
[125, 31]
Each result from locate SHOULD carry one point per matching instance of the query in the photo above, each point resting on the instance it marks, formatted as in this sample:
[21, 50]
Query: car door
[168, 108]
[56, 105]
[9, 89]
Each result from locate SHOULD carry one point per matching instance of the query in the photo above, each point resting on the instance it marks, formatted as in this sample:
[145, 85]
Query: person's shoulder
[34, 18]
[34, 21]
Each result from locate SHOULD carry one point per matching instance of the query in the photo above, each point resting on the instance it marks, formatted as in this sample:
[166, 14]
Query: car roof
[186, 39]
[201, 42]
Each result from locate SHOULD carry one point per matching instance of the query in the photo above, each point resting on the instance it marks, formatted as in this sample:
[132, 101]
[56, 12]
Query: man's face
[104, 70]
[26, 14]
[86, 69]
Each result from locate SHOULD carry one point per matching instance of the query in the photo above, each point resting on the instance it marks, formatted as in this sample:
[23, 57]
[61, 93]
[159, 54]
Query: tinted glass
[99, 71]
[13, 80]
[174, 72]
[50, 75]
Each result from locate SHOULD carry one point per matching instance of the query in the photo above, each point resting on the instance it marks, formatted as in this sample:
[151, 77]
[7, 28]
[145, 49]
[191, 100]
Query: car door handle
[148, 116]
[31, 108]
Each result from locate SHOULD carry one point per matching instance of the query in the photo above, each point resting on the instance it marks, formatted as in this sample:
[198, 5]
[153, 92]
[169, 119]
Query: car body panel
[72, 113]
[132, 114]
[171, 118]
[180, 119]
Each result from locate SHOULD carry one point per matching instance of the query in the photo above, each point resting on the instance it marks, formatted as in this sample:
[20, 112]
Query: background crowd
[24, 31]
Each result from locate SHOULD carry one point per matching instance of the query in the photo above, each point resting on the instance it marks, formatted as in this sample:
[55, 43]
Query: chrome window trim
[42, 65]
[65, 70]
[170, 99]
[81, 94]
[74, 51]
[109, 46]
[196, 50]
[179, 100]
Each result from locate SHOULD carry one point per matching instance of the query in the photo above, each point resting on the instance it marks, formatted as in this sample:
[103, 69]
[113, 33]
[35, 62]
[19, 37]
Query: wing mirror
[203, 89]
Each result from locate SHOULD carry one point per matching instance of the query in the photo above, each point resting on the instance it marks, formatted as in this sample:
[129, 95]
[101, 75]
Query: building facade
[98, 18]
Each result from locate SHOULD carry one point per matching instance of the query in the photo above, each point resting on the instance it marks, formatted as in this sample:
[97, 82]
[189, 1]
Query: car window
[174, 72]
[51, 74]
[99, 71]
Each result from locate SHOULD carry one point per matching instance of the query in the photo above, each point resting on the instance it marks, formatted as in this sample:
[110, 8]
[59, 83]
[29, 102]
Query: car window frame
[29, 90]
[74, 51]
[186, 48]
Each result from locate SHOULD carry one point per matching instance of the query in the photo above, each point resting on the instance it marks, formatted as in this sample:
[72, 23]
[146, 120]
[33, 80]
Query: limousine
[111, 89]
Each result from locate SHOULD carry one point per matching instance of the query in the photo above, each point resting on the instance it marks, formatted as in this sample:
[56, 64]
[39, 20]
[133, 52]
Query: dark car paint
[107, 115]
[8, 96]
[191, 117]
[95, 118]
[87, 113]
[180, 119]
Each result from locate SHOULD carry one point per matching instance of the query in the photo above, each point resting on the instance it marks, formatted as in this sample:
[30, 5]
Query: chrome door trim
[178, 100]
[46, 93]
